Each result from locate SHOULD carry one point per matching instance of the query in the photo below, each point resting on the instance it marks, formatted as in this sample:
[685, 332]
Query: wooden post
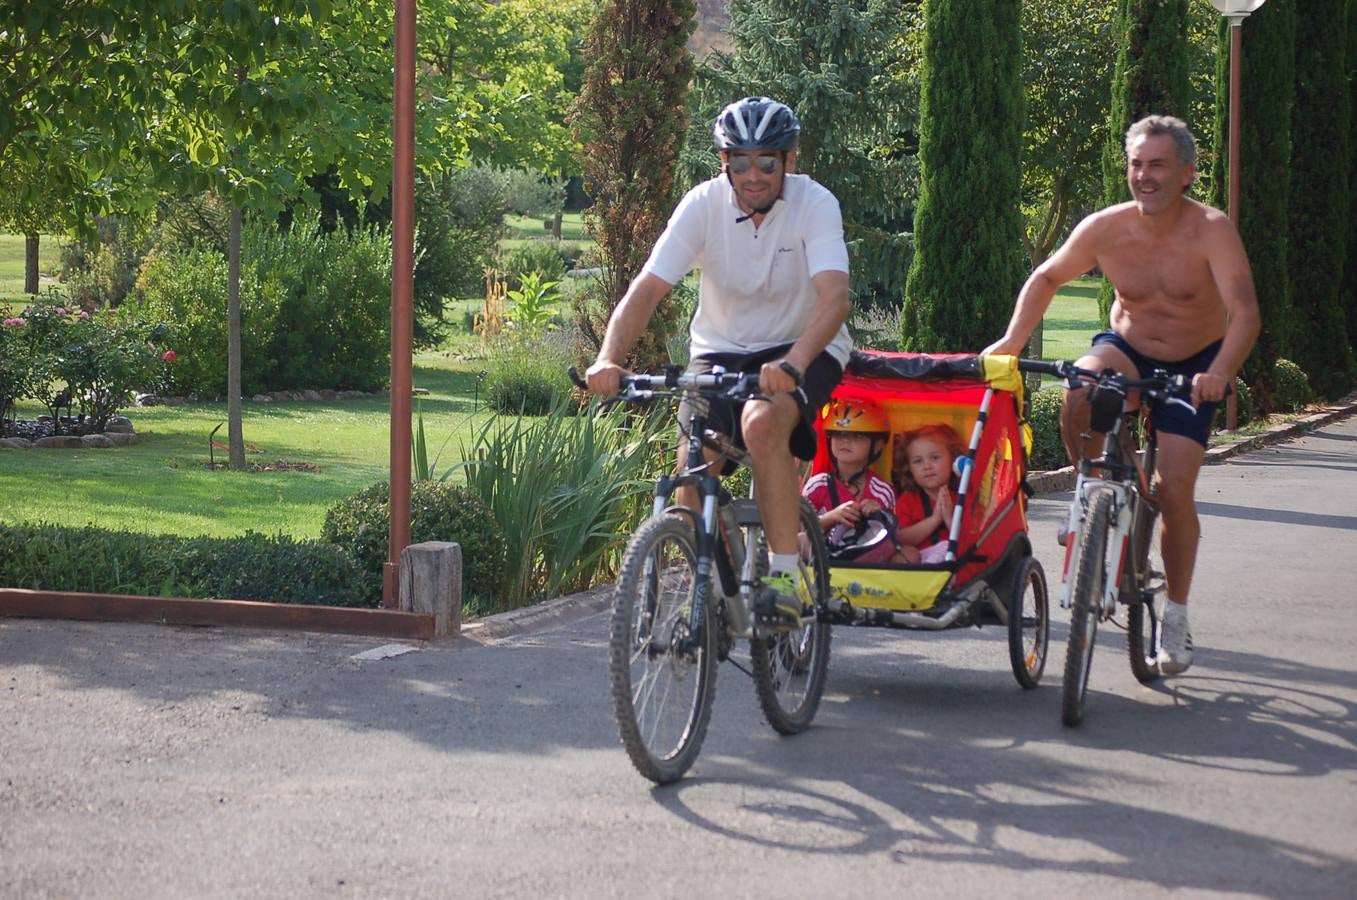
[431, 583]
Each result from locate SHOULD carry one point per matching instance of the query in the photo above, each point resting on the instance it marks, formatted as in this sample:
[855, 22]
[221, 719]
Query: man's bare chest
[1145, 271]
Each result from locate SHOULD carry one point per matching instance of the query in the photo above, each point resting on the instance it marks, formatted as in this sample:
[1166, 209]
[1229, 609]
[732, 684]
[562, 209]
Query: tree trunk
[237, 437]
[30, 264]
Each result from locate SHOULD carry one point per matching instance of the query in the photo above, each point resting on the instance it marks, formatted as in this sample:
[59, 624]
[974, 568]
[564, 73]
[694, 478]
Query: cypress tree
[1150, 79]
[1268, 79]
[1319, 204]
[630, 118]
[968, 228]
[1349, 291]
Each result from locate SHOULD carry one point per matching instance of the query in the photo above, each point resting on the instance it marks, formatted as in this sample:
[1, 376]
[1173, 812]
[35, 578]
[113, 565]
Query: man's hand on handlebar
[1209, 388]
[779, 377]
[604, 378]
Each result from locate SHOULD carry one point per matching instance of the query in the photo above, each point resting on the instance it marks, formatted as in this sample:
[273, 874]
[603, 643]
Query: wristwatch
[792, 371]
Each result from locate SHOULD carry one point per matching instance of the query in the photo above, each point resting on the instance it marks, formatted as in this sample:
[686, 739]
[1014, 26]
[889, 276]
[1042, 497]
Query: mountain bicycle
[1111, 555]
[685, 594]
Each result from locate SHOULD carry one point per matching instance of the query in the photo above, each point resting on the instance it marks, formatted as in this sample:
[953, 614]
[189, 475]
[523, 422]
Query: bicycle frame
[1125, 480]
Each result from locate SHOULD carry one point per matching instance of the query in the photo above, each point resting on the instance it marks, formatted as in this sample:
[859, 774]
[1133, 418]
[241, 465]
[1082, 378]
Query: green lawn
[1071, 320]
[162, 484]
[12, 263]
[525, 228]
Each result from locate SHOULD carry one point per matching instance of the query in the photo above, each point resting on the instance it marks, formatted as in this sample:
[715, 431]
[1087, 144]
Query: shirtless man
[1185, 302]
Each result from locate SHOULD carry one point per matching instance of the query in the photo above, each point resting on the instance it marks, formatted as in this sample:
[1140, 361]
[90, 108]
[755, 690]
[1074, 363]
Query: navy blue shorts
[1170, 418]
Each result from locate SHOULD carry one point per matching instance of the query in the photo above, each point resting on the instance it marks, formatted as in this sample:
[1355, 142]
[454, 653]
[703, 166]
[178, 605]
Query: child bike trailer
[987, 575]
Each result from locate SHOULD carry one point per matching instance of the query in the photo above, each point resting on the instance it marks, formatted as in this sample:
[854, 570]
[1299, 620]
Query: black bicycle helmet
[756, 123]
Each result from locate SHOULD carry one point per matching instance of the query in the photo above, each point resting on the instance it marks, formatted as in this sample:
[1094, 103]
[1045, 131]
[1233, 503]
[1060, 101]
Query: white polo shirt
[755, 290]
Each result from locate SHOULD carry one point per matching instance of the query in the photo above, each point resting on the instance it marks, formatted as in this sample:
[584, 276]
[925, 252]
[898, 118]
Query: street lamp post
[1236, 11]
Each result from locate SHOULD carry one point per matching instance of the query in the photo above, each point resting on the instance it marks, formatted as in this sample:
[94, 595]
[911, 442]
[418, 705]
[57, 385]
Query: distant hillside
[712, 21]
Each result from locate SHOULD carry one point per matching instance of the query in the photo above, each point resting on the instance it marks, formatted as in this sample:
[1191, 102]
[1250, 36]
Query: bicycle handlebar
[1159, 386]
[645, 385]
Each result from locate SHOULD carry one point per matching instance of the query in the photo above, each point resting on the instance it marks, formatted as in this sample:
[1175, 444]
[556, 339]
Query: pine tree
[1150, 79]
[630, 119]
[968, 228]
[1319, 203]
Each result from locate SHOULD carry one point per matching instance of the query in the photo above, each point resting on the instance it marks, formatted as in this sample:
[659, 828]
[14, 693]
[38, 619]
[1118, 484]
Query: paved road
[140, 761]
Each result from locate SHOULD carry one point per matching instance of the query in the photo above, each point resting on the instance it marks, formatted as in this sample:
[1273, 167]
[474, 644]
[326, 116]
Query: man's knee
[766, 427]
[1176, 492]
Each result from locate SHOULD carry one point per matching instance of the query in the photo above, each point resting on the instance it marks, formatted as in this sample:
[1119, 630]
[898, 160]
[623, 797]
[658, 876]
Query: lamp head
[1237, 10]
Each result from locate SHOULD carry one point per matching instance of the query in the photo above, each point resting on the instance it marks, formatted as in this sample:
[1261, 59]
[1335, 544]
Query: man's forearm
[826, 318]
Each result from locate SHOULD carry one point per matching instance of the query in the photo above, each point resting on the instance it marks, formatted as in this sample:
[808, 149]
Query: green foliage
[540, 257]
[565, 489]
[1043, 412]
[94, 363]
[530, 310]
[1348, 296]
[361, 525]
[1264, 197]
[315, 309]
[968, 262]
[1244, 411]
[849, 71]
[630, 119]
[1150, 79]
[459, 218]
[1293, 387]
[1069, 52]
[253, 566]
[1319, 204]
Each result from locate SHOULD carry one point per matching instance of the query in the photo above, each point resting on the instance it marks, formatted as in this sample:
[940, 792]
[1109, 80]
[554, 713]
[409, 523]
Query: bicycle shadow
[1008, 788]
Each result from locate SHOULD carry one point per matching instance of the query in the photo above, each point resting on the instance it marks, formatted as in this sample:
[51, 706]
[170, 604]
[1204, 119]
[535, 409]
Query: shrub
[250, 567]
[1043, 412]
[542, 257]
[565, 489]
[1293, 387]
[439, 511]
[1243, 406]
[527, 378]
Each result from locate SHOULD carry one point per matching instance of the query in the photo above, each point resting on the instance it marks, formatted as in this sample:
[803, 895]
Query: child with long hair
[922, 470]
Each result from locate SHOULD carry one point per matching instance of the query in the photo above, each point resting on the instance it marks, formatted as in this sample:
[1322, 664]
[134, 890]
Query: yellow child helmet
[856, 415]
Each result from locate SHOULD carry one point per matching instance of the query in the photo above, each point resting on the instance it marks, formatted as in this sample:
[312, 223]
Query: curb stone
[573, 607]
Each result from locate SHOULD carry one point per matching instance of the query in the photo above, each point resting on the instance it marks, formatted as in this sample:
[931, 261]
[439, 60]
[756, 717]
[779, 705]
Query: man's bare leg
[767, 428]
[1180, 461]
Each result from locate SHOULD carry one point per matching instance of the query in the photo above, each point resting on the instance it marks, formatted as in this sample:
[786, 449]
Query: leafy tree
[629, 119]
[1150, 79]
[1319, 203]
[1069, 56]
[968, 230]
[849, 69]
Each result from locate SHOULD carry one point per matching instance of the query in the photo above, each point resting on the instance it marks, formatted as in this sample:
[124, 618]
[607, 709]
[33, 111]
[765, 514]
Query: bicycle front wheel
[1086, 600]
[1142, 620]
[663, 676]
[790, 669]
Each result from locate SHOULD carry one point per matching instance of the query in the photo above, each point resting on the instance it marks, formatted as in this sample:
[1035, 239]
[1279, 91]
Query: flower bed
[89, 365]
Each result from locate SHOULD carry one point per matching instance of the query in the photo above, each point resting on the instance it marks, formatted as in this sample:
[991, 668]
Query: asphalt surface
[144, 761]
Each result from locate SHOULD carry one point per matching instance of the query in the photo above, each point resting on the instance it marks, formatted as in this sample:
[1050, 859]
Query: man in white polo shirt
[773, 299]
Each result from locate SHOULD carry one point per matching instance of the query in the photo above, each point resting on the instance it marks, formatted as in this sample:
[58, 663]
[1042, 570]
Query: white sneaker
[1175, 645]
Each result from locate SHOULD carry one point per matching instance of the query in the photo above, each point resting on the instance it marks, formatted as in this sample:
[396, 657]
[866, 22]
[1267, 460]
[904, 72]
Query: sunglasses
[767, 164]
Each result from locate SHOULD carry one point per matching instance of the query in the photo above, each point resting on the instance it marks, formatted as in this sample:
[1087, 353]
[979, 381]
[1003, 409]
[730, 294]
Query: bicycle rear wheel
[1086, 599]
[663, 682]
[790, 669]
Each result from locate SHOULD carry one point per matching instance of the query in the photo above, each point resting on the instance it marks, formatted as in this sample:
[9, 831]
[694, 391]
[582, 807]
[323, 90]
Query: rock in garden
[96, 440]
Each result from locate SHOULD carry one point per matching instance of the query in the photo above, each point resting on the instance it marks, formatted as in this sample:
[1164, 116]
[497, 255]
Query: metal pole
[1236, 51]
[402, 291]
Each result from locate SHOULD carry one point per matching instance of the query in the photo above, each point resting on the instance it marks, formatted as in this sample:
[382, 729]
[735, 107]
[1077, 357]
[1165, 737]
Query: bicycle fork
[1118, 546]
